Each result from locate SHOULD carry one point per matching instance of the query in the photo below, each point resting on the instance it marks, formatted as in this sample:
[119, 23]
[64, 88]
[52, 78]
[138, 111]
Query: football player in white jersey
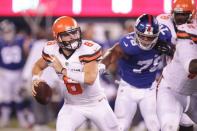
[76, 62]
[183, 11]
[177, 88]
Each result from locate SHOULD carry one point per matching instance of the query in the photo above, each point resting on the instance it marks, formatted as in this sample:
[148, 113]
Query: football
[44, 93]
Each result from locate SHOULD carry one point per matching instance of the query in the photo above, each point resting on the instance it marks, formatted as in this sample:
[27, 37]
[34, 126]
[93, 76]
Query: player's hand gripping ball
[43, 93]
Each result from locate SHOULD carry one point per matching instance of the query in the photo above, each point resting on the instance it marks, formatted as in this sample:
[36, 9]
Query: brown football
[44, 93]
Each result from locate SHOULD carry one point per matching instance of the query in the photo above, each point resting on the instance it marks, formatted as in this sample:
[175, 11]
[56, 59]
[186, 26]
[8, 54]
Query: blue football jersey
[12, 56]
[140, 67]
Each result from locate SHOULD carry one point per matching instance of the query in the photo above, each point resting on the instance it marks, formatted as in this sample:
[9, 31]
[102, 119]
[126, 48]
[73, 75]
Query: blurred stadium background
[103, 21]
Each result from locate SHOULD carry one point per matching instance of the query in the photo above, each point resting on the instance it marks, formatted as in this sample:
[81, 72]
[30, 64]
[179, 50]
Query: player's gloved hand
[164, 48]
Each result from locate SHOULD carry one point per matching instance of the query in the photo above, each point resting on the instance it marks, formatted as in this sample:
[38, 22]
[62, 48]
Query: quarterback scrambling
[177, 88]
[76, 62]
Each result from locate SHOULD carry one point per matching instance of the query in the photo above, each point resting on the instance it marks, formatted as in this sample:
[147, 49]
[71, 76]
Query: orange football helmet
[67, 26]
[183, 11]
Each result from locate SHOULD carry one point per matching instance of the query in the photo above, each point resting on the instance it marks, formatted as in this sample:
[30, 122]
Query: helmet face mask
[70, 39]
[67, 33]
[183, 11]
[182, 17]
[146, 42]
[146, 31]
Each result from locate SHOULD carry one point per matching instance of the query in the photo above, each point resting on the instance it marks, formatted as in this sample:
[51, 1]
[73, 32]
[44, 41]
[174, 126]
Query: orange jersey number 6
[73, 88]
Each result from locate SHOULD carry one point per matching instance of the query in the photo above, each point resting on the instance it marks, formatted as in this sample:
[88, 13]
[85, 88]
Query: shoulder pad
[165, 33]
[187, 31]
[127, 40]
[48, 50]
[189, 28]
[163, 18]
[90, 51]
[128, 43]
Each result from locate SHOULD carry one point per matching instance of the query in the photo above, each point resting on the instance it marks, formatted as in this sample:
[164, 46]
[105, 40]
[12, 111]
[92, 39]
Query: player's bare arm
[112, 55]
[91, 71]
[39, 66]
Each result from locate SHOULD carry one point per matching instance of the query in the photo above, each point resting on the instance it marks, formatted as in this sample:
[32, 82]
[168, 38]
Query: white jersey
[166, 19]
[176, 74]
[76, 93]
